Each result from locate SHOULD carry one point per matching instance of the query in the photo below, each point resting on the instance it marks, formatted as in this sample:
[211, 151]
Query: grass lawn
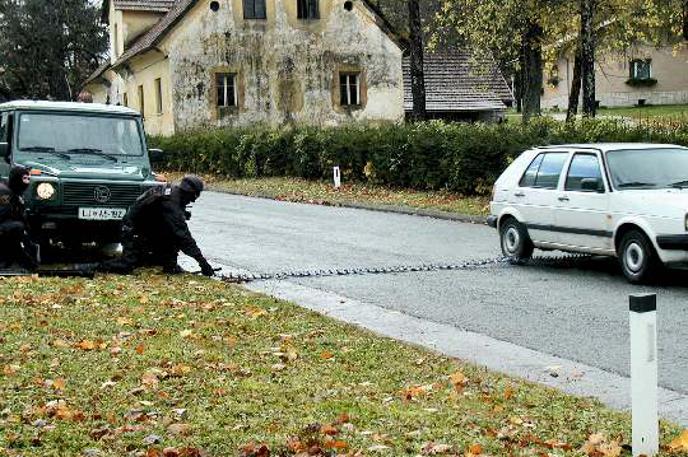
[658, 111]
[184, 366]
[318, 192]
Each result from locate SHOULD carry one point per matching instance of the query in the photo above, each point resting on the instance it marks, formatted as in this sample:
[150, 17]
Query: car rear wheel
[637, 256]
[516, 244]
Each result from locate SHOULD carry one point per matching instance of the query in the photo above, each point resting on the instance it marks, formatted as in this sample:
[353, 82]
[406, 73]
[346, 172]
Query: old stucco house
[642, 75]
[198, 63]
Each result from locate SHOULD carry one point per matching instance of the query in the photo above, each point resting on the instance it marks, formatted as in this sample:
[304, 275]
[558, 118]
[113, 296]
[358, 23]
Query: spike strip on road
[464, 265]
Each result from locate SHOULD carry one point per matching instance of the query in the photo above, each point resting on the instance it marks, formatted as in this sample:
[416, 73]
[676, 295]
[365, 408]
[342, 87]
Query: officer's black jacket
[11, 205]
[158, 215]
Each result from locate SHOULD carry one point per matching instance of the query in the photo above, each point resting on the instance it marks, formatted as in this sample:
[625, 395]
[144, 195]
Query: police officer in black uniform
[155, 230]
[15, 245]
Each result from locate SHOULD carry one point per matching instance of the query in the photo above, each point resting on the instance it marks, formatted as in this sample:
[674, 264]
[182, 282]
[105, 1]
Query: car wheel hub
[512, 240]
[634, 257]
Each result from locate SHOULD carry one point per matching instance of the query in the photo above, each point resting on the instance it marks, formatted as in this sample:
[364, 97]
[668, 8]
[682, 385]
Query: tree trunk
[588, 57]
[532, 71]
[416, 60]
[574, 95]
[685, 19]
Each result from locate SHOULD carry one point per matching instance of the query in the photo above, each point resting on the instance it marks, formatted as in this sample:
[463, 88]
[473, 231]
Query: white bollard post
[643, 320]
[337, 178]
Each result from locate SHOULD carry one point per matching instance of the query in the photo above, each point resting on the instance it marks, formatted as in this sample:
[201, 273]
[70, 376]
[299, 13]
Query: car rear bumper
[492, 221]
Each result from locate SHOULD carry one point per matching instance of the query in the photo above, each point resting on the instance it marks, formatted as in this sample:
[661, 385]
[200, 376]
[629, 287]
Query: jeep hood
[105, 171]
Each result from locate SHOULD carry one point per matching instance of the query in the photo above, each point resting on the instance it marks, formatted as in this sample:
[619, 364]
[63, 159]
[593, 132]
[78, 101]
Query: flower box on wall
[641, 82]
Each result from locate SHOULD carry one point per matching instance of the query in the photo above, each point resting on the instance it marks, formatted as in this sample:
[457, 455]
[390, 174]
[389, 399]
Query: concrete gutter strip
[574, 378]
[437, 214]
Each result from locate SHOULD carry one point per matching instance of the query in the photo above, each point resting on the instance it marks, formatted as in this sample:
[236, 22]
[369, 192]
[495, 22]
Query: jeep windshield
[75, 135]
[652, 168]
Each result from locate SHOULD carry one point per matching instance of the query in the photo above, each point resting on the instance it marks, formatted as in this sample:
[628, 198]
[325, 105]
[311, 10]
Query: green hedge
[464, 158]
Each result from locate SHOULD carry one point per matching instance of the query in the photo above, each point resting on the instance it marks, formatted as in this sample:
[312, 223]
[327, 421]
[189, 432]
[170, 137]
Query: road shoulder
[566, 375]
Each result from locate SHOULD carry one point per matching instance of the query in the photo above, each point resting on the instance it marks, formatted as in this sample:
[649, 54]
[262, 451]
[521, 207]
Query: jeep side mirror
[592, 185]
[5, 151]
[155, 155]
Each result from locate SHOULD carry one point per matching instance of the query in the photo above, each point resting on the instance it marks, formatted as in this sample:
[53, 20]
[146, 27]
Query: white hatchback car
[627, 200]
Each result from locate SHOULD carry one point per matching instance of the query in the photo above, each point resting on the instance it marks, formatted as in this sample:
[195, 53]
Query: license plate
[102, 214]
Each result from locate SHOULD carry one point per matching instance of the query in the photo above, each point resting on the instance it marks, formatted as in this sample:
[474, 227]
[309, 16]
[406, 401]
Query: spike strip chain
[425, 267]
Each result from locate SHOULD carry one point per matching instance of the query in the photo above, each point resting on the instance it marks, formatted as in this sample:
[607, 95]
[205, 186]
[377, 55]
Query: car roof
[605, 147]
[41, 105]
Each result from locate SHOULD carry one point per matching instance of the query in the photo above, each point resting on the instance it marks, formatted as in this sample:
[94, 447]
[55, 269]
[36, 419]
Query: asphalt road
[575, 309]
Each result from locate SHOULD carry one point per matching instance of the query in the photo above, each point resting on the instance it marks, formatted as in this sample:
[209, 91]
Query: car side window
[528, 178]
[583, 166]
[550, 170]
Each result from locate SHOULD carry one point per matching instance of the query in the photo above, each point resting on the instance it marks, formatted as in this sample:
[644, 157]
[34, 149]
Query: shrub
[464, 158]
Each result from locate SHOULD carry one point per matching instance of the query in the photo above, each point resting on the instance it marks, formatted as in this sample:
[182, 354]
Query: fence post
[337, 177]
[643, 322]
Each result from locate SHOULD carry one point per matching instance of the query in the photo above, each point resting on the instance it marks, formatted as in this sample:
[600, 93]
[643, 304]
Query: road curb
[436, 214]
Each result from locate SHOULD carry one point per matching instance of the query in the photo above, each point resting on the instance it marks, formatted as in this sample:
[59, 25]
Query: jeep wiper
[97, 152]
[680, 184]
[636, 184]
[46, 149]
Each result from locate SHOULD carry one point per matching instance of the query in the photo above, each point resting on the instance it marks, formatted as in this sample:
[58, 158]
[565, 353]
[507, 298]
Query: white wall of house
[669, 66]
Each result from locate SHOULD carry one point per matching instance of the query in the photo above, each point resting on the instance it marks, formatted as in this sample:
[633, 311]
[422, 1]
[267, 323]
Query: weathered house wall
[287, 69]
[669, 68]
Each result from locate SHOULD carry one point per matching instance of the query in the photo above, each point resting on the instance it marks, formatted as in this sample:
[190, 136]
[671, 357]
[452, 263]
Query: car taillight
[494, 192]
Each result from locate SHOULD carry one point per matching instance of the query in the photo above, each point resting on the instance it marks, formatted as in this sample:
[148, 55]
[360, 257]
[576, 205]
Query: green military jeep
[88, 164]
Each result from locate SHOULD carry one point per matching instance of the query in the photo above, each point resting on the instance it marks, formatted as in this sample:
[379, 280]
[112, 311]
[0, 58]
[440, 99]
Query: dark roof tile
[457, 80]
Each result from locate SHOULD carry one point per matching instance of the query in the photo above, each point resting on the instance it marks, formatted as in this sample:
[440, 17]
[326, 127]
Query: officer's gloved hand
[206, 268]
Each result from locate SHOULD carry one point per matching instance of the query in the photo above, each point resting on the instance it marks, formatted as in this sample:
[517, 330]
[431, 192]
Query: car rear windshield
[74, 133]
[648, 168]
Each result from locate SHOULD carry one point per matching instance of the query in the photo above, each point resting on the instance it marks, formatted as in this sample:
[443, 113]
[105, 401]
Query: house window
[307, 9]
[350, 89]
[226, 89]
[641, 69]
[125, 99]
[254, 9]
[141, 102]
[158, 95]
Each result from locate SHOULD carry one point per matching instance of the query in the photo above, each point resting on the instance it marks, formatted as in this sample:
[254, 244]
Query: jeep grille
[93, 194]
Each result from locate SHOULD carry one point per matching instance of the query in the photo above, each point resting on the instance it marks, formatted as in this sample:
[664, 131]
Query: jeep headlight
[685, 222]
[45, 191]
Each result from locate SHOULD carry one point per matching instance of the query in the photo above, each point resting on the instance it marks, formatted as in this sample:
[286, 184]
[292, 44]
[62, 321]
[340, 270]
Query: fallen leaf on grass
[140, 349]
[416, 391]
[459, 381]
[255, 450]
[326, 355]
[435, 449]
[597, 445]
[179, 429]
[680, 443]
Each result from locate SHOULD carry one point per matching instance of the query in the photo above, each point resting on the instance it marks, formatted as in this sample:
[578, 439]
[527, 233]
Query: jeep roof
[67, 106]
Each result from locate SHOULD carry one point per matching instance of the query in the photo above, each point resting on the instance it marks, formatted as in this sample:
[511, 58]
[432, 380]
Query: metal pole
[337, 177]
[643, 322]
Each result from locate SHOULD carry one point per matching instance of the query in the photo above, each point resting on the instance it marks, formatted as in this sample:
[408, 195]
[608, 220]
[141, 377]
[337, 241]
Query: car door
[583, 203]
[536, 194]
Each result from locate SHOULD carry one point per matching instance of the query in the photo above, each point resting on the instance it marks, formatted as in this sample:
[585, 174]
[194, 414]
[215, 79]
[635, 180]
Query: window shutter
[301, 9]
[313, 10]
[260, 9]
[249, 12]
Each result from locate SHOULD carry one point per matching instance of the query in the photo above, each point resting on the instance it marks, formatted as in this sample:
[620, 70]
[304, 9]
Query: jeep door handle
[563, 198]
[519, 194]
